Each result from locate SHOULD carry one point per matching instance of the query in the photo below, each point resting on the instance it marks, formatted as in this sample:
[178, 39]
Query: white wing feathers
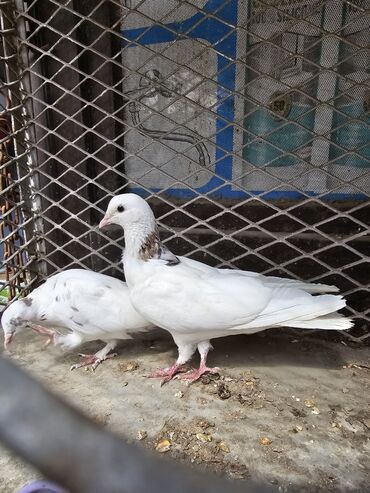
[88, 302]
[313, 288]
[205, 299]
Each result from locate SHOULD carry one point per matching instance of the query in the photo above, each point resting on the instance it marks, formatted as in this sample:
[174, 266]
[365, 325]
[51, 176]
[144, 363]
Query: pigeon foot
[167, 374]
[91, 360]
[43, 331]
[195, 375]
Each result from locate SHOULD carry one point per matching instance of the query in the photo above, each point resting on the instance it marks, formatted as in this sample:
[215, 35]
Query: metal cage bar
[244, 122]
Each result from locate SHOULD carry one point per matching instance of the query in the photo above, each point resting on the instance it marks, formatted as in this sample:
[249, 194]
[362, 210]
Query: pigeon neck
[137, 235]
[144, 244]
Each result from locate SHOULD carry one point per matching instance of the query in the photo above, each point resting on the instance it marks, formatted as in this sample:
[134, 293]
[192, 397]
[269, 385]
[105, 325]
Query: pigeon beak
[7, 340]
[105, 221]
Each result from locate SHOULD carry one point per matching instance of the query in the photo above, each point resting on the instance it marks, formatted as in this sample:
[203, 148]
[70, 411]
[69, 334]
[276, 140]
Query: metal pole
[77, 454]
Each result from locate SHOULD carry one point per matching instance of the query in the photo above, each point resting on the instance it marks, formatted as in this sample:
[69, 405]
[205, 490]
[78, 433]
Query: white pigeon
[91, 305]
[196, 302]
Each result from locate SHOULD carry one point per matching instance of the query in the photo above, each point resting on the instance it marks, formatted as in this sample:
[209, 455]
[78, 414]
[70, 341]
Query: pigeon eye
[120, 208]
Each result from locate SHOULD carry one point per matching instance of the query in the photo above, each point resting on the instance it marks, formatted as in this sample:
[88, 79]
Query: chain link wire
[245, 123]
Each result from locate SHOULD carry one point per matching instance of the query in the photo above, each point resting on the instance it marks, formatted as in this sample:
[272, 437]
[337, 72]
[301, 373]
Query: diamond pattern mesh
[244, 122]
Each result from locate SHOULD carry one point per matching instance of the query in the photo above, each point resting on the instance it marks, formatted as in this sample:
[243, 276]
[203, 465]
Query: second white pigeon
[196, 302]
[89, 305]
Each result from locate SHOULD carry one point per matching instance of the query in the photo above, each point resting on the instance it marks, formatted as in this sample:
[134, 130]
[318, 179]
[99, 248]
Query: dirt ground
[288, 408]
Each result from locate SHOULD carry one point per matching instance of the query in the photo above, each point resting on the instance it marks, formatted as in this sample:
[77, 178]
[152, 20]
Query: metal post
[68, 448]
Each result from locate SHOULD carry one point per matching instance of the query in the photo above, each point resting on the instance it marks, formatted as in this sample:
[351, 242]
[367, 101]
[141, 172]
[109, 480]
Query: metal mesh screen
[17, 226]
[244, 122]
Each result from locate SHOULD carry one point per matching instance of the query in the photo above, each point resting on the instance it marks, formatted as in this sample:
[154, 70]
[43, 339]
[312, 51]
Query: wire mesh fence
[18, 239]
[244, 122]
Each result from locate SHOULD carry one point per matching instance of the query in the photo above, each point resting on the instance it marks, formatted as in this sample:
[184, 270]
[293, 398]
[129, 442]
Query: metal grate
[17, 228]
[244, 122]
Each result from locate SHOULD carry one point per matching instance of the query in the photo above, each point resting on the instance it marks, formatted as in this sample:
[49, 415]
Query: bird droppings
[244, 389]
[223, 447]
[261, 374]
[309, 403]
[209, 378]
[265, 441]
[357, 366]
[298, 413]
[298, 428]
[335, 424]
[223, 391]
[179, 394]
[202, 437]
[141, 435]
[129, 366]
[193, 441]
[163, 446]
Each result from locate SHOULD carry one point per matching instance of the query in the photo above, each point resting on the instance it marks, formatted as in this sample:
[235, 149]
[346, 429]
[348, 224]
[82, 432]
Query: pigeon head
[129, 210]
[15, 318]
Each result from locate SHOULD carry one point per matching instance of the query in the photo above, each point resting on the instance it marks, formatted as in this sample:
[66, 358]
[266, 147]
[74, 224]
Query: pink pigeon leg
[94, 360]
[185, 353]
[193, 376]
[50, 334]
[168, 373]
[91, 360]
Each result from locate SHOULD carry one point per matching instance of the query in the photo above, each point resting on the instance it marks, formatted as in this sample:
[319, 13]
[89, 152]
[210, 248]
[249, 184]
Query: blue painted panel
[220, 32]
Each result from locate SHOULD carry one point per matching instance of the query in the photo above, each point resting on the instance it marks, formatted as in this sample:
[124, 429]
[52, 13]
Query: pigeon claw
[167, 374]
[91, 360]
[195, 375]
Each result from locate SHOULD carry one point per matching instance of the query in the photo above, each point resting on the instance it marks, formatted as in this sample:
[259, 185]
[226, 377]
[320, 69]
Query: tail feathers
[327, 322]
[308, 287]
[318, 288]
[320, 306]
[284, 311]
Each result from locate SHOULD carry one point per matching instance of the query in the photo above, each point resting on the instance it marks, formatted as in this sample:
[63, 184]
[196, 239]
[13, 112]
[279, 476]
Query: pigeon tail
[327, 322]
[304, 313]
[313, 288]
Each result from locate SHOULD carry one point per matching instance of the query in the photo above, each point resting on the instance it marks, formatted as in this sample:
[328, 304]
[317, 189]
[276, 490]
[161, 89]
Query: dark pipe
[69, 449]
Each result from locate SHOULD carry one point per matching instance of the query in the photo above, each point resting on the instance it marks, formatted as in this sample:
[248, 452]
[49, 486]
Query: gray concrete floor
[287, 408]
